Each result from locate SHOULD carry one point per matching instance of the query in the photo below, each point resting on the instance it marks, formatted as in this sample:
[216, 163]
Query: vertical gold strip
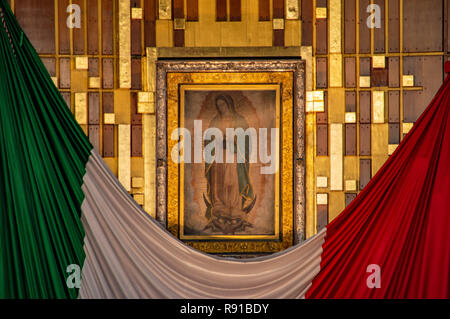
[124, 45]
[124, 156]
[335, 70]
[401, 69]
[306, 53]
[378, 106]
[336, 157]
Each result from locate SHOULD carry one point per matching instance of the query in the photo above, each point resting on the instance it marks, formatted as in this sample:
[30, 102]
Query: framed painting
[230, 146]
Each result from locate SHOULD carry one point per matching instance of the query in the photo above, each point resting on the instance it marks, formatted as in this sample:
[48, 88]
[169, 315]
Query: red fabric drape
[400, 221]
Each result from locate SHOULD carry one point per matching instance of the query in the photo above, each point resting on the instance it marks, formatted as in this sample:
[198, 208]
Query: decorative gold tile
[81, 63]
[136, 13]
[321, 13]
[408, 80]
[109, 118]
[350, 185]
[322, 182]
[378, 106]
[278, 24]
[179, 24]
[350, 117]
[55, 80]
[407, 127]
[137, 182]
[81, 108]
[364, 81]
[322, 199]
[94, 82]
[310, 96]
[392, 148]
[379, 62]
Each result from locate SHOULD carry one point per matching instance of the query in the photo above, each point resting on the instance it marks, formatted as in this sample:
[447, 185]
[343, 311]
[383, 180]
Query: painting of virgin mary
[230, 195]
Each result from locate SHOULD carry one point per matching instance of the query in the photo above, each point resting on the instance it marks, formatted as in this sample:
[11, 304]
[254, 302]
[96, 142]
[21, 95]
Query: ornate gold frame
[289, 76]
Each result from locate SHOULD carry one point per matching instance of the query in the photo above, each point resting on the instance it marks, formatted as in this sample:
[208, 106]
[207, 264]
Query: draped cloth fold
[129, 255]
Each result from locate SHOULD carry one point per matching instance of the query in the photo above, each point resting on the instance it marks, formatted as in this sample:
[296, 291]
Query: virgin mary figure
[230, 195]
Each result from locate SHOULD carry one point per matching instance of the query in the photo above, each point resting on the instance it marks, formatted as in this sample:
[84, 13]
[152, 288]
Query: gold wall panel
[292, 9]
[322, 199]
[322, 182]
[306, 54]
[81, 111]
[408, 80]
[335, 21]
[378, 106]
[125, 45]
[336, 157]
[173, 199]
[164, 33]
[336, 204]
[335, 69]
[122, 106]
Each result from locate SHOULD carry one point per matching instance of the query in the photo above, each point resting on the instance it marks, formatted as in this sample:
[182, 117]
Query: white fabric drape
[130, 255]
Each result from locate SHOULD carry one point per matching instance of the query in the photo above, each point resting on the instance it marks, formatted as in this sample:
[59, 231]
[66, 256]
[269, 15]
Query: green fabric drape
[43, 153]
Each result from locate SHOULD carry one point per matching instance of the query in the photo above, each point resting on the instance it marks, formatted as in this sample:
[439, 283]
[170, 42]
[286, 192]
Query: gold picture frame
[284, 77]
